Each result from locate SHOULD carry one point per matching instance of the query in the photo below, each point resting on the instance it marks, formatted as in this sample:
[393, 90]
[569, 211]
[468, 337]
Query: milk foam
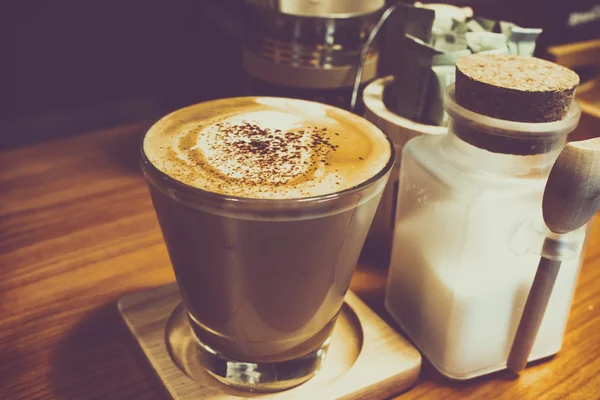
[267, 148]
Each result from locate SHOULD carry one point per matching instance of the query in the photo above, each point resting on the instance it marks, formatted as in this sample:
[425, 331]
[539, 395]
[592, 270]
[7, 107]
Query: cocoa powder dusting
[270, 157]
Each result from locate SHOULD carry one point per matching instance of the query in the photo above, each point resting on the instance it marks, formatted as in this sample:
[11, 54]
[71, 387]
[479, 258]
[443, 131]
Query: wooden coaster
[367, 358]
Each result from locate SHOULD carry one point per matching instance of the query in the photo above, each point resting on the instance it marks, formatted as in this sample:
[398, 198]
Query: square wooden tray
[367, 358]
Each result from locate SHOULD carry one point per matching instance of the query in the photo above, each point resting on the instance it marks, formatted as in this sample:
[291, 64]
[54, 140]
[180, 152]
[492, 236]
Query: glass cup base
[263, 376]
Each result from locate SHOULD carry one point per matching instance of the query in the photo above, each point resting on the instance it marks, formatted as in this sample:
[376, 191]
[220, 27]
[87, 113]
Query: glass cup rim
[172, 183]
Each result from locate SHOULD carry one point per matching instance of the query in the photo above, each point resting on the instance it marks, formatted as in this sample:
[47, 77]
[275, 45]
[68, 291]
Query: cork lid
[514, 88]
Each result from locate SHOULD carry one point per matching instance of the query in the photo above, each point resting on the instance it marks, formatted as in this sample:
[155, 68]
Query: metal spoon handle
[363, 55]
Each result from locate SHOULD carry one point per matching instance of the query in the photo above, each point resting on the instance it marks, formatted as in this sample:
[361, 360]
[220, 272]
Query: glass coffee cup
[264, 204]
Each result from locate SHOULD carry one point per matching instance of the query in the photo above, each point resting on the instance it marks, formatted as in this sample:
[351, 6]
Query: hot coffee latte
[267, 148]
[264, 205]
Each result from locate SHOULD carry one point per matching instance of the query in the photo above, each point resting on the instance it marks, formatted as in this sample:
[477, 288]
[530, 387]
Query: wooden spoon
[571, 198]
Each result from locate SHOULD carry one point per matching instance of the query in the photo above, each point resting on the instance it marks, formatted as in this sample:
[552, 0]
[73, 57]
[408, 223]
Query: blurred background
[71, 66]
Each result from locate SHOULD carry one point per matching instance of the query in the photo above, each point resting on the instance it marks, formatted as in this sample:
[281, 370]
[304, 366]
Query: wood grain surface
[77, 232]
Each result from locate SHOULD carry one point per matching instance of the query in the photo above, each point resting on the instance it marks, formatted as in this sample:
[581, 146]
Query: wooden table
[77, 232]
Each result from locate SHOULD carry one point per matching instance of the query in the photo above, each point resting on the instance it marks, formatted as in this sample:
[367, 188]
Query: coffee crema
[267, 148]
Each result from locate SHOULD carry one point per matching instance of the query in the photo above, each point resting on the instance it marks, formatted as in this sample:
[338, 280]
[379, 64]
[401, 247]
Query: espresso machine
[309, 49]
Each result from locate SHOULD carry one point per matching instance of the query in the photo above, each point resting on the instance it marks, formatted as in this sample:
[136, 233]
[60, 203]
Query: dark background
[68, 66]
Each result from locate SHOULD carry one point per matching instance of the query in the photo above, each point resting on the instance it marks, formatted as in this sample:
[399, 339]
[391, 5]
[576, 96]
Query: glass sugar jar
[468, 237]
